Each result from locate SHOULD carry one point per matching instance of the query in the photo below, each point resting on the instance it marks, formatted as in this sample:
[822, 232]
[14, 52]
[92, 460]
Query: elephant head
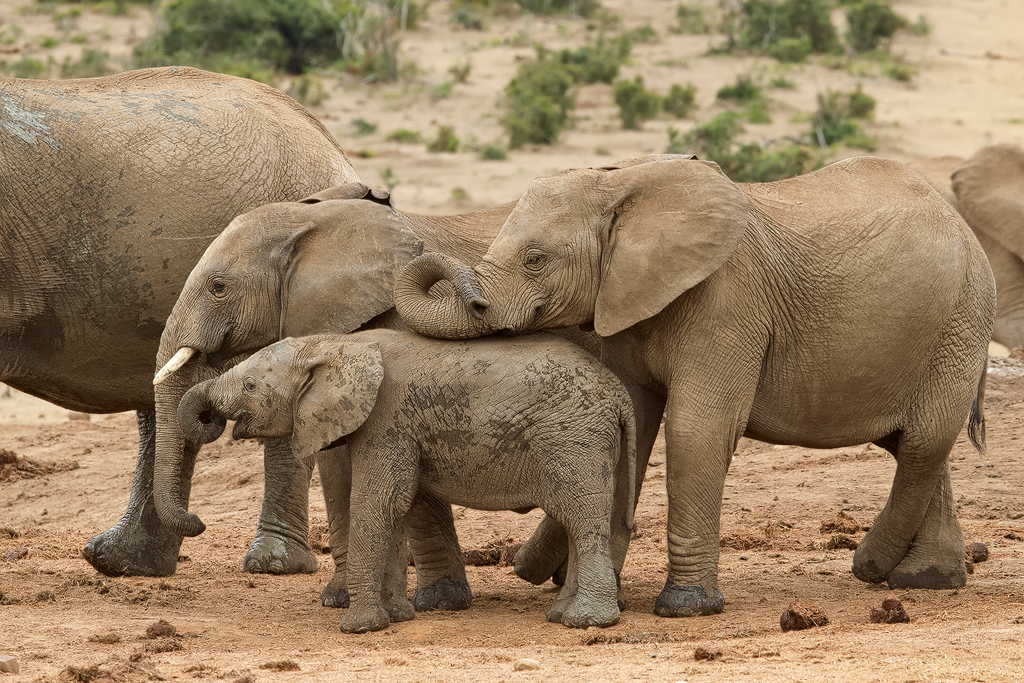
[316, 389]
[989, 189]
[323, 264]
[611, 246]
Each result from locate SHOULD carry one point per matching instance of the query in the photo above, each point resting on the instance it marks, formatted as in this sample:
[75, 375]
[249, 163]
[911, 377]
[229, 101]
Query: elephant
[848, 305]
[494, 424]
[988, 191]
[327, 263]
[112, 189]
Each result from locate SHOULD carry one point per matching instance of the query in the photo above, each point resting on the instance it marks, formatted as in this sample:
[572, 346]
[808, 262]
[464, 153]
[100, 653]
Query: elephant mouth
[243, 428]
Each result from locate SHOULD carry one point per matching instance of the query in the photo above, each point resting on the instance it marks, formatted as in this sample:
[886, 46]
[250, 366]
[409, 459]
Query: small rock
[9, 664]
[15, 554]
[891, 612]
[702, 654]
[976, 552]
[526, 665]
[840, 542]
[160, 629]
[969, 566]
[800, 615]
[1013, 536]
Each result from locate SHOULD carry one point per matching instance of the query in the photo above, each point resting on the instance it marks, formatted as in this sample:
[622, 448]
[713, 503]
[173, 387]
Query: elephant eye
[249, 384]
[534, 260]
[218, 288]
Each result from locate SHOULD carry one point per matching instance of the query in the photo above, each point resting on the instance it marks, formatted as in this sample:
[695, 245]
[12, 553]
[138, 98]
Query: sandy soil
[60, 617]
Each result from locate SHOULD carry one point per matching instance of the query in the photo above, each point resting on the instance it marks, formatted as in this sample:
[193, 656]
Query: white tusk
[176, 361]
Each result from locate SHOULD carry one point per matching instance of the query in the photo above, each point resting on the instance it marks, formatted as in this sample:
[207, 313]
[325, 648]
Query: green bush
[790, 49]
[690, 20]
[26, 67]
[898, 71]
[91, 64]
[579, 8]
[641, 34]
[308, 90]
[287, 35]
[743, 162]
[493, 152]
[537, 102]
[364, 127]
[596, 62]
[756, 112]
[446, 141]
[769, 21]
[835, 119]
[871, 21]
[681, 100]
[636, 103]
[743, 89]
[405, 136]
[460, 72]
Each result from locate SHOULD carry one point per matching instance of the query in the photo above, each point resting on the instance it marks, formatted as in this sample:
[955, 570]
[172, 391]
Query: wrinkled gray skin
[845, 306]
[112, 188]
[988, 191]
[492, 424]
[325, 264]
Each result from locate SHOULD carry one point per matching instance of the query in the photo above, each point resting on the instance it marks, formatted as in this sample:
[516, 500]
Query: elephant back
[989, 187]
[937, 171]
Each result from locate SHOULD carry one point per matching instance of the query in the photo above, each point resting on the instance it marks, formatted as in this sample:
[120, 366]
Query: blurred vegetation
[493, 152]
[446, 141]
[836, 119]
[405, 136]
[636, 103]
[681, 100]
[744, 162]
[690, 21]
[743, 89]
[869, 22]
[477, 14]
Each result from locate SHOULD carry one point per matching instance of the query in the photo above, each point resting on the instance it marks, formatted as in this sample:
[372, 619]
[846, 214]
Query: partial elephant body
[112, 189]
[849, 305]
[491, 424]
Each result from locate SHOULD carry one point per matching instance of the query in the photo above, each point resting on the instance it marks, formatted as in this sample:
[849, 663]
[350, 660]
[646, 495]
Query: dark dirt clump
[842, 523]
[160, 629]
[800, 615]
[702, 654]
[840, 542]
[976, 552]
[497, 553]
[891, 612]
[283, 665]
[14, 467]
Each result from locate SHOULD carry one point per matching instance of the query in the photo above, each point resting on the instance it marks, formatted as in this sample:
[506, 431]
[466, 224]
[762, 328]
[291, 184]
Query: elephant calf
[494, 424]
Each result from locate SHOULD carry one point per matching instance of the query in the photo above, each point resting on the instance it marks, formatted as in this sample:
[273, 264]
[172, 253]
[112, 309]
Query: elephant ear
[340, 269]
[350, 191]
[990, 189]
[675, 223]
[338, 395]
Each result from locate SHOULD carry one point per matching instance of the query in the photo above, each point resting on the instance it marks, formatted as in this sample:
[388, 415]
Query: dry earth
[61, 618]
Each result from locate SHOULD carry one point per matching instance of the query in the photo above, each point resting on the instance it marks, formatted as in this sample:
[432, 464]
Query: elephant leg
[139, 544]
[281, 545]
[440, 568]
[921, 460]
[936, 556]
[336, 478]
[543, 556]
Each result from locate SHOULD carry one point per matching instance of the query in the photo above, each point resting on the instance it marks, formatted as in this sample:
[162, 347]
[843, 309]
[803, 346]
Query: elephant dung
[800, 615]
[9, 664]
[891, 612]
[976, 552]
[15, 554]
[842, 523]
[702, 654]
[160, 629]
[840, 542]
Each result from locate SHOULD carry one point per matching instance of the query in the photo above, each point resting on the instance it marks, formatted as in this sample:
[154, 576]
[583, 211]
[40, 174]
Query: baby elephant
[492, 424]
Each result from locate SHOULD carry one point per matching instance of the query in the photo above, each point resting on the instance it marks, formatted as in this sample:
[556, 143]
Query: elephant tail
[976, 423]
[627, 458]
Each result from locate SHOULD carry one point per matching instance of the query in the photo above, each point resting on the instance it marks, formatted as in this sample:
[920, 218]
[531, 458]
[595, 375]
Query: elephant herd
[212, 224]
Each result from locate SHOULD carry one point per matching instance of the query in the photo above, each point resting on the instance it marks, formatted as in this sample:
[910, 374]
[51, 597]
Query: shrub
[690, 20]
[91, 64]
[364, 127]
[743, 162]
[405, 136]
[790, 49]
[596, 62]
[681, 100]
[26, 67]
[756, 112]
[899, 71]
[307, 90]
[742, 90]
[537, 100]
[834, 120]
[769, 21]
[579, 8]
[641, 34]
[288, 35]
[388, 177]
[442, 91]
[460, 72]
[446, 141]
[636, 103]
[871, 21]
[493, 152]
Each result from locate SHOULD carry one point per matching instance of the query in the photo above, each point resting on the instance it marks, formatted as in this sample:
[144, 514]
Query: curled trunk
[448, 312]
[201, 419]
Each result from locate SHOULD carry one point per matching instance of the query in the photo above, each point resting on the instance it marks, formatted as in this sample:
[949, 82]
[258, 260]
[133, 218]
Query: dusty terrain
[61, 618]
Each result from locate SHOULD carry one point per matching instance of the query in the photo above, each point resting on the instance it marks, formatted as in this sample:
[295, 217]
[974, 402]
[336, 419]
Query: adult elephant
[325, 264]
[988, 190]
[112, 188]
[846, 306]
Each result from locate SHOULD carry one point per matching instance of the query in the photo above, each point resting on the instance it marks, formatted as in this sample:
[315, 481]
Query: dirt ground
[64, 621]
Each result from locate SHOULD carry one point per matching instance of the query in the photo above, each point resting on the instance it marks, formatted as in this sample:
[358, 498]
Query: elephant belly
[506, 483]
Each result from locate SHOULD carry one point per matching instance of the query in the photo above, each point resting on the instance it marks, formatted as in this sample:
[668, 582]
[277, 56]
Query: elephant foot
[583, 613]
[271, 554]
[358, 620]
[401, 610]
[870, 563]
[444, 594]
[543, 553]
[688, 601]
[558, 608]
[335, 593]
[921, 569]
[143, 547]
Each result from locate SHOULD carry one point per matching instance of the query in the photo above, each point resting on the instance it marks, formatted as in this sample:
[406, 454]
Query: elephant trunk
[438, 311]
[175, 458]
[200, 418]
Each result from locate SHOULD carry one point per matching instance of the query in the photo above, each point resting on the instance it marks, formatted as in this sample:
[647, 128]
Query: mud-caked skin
[112, 189]
[845, 306]
[495, 424]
